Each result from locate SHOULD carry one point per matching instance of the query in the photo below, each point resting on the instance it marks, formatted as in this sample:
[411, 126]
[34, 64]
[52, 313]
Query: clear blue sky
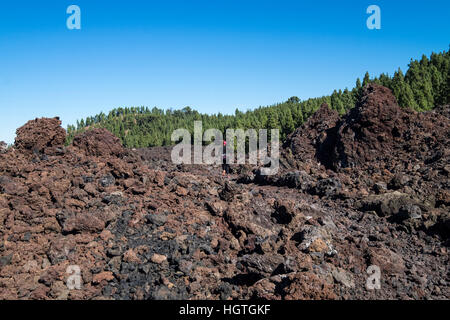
[214, 55]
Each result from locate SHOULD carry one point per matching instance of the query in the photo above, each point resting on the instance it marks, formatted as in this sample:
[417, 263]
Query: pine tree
[357, 91]
[358, 84]
[272, 120]
[425, 85]
[288, 125]
[402, 91]
[366, 79]
[299, 119]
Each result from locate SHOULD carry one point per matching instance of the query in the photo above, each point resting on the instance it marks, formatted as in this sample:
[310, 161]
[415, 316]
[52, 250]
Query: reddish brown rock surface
[373, 131]
[307, 142]
[136, 226]
[99, 142]
[40, 135]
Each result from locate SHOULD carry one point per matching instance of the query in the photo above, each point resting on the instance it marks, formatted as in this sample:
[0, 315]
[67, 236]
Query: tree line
[425, 84]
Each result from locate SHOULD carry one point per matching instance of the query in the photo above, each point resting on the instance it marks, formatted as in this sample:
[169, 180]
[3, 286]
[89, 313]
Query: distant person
[225, 165]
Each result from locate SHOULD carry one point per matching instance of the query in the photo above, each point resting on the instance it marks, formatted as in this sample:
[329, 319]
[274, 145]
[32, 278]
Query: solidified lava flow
[368, 188]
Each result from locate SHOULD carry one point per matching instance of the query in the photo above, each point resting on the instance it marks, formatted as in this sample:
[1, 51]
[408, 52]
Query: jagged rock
[380, 187]
[311, 140]
[296, 179]
[386, 204]
[107, 180]
[44, 135]
[398, 181]
[387, 260]
[99, 142]
[141, 227]
[409, 211]
[315, 239]
[307, 286]
[262, 265]
[370, 129]
[327, 187]
[228, 191]
[82, 222]
[284, 212]
[3, 147]
[157, 219]
[343, 277]
[158, 258]
[102, 276]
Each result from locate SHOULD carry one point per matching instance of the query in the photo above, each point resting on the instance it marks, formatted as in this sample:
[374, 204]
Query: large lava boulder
[308, 142]
[42, 135]
[99, 142]
[370, 132]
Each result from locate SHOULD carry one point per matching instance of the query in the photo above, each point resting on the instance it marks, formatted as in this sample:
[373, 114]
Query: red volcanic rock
[376, 134]
[42, 135]
[305, 143]
[83, 222]
[103, 276]
[387, 260]
[308, 286]
[99, 142]
[132, 225]
[376, 97]
[370, 131]
[380, 136]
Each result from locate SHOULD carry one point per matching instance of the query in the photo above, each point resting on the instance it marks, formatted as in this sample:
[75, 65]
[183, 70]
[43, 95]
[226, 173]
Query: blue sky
[214, 55]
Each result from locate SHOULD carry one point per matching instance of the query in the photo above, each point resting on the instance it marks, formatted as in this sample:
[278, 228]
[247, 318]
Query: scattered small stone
[158, 258]
[103, 276]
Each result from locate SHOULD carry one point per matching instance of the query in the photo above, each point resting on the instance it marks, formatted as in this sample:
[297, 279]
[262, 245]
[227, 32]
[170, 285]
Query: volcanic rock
[370, 130]
[42, 135]
[311, 140]
[386, 204]
[3, 147]
[99, 142]
[369, 189]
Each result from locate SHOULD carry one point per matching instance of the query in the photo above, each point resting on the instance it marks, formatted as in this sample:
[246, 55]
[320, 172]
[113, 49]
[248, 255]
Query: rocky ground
[368, 188]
